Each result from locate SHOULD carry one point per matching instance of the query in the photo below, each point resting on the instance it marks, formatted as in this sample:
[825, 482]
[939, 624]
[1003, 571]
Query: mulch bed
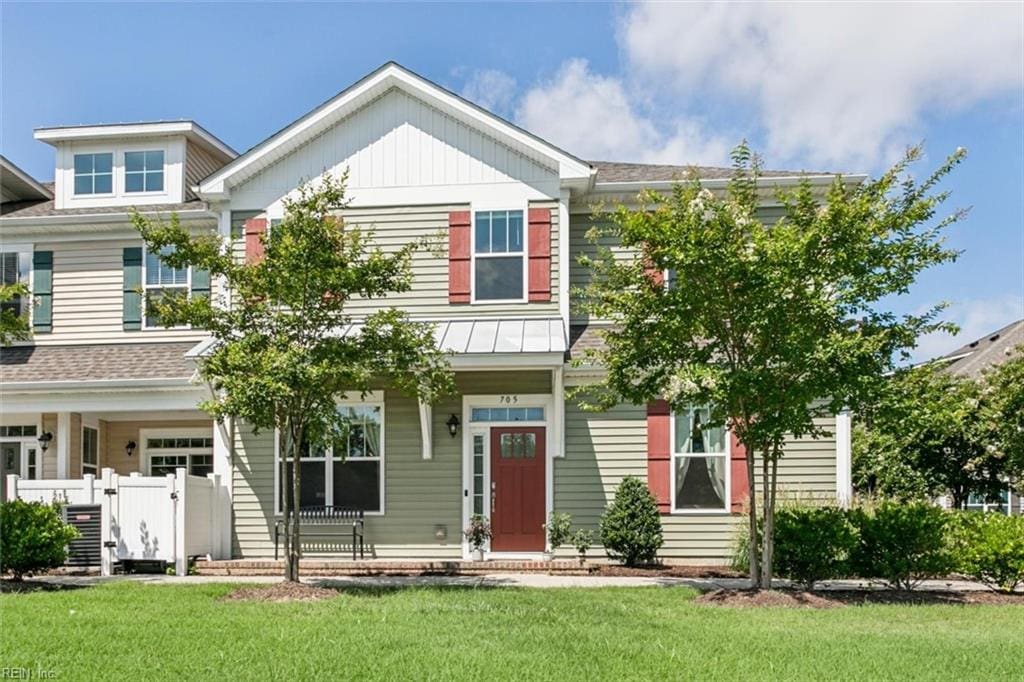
[17, 586]
[830, 599]
[281, 592]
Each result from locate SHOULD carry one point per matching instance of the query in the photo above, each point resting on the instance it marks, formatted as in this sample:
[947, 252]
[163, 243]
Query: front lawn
[136, 631]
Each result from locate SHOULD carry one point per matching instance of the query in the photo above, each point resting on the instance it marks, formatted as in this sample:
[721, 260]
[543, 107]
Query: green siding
[603, 448]
[418, 494]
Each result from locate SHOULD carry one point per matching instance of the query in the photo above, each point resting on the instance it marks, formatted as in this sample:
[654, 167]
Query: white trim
[63, 437]
[726, 455]
[114, 218]
[189, 129]
[11, 169]
[558, 418]
[388, 76]
[564, 257]
[524, 254]
[372, 399]
[91, 424]
[187, 286]
[28, 443]
[844, 460]
[470, 427]
[426, 412]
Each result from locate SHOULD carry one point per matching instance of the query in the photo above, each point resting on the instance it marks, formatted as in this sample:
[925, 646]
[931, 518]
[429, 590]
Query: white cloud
[976, 318]
[595, 117]
[491, 89]
[832, 83]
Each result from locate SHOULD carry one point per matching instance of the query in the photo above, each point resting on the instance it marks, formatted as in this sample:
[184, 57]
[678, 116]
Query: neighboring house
[972, 360]
[115, 390]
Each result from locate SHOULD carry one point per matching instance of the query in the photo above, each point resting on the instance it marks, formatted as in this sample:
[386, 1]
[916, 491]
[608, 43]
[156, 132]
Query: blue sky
[832, 87]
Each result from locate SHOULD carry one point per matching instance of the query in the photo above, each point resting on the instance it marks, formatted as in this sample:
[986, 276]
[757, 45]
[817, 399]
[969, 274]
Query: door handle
[494, 496]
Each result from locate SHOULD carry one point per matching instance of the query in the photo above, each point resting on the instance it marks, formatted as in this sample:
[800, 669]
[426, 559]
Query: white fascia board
[102, 218]
[93, 385]
[722, 183]
[120, 400]
[508, 361]
[380, 81]
[190, 129]
[24, 178]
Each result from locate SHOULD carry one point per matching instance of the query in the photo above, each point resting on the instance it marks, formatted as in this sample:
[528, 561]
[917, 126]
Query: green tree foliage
[1003, 393]
[772, 324]
[929, 433]
[282, 355]
[33, 537]
[989, 548]
[631, 526]
[13, 327]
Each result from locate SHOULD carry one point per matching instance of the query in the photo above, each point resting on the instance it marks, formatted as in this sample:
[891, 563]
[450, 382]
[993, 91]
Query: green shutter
[200, 282]
[132, 311]
[42, 292]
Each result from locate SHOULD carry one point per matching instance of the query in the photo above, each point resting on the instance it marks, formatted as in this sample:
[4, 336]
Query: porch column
[223, 478]
[558, 418]
[63, 444]
[844, 463]
[426, 436]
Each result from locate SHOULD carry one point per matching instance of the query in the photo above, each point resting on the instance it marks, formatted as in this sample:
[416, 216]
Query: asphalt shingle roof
[124, 361]
[993, 349]
[615, 171]
[30, 209]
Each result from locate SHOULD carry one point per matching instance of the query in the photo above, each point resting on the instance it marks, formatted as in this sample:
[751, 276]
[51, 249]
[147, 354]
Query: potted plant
[582, 540]
[558, 528]
[478, 532]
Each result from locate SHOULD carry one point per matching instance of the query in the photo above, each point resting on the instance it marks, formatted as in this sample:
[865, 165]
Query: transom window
[699, 463]
[347, 474]
[192, 453]
[11, 273]
[499, 256]
[94, 173]
[507, 414]
[26, 431]
[90, 450]
[162, 280]
[144, 171]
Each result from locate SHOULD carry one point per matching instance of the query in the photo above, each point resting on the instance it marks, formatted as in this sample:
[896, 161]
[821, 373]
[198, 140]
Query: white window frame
[989, 507]
[113, 173]
[97, 466]
[187, 286]
[372, 399]
[146, 171]
[145, 453]
[24, 253]
[675, 454]
[473, 255]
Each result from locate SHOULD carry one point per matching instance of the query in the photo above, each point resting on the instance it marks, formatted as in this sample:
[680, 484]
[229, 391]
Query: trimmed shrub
[990, 548]
[33, 537]
[813, 543]
[630, 526]
[559, 527]
[902, 543]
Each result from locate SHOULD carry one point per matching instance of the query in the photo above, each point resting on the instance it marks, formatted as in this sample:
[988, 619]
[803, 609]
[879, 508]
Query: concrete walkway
[535, 580]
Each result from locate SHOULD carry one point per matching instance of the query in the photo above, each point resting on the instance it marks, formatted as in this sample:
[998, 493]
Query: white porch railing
[169, 518]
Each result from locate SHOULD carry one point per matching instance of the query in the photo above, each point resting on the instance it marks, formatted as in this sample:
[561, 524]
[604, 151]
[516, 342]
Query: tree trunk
[283, 450]
[753, 546]
[768, 521]
[294, 550]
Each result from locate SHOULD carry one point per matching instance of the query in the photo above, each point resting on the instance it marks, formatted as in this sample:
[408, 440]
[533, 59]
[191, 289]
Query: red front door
[517, 489]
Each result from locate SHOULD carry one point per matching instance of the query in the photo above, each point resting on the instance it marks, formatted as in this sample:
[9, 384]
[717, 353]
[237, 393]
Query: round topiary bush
[33, 537]
[631, 526]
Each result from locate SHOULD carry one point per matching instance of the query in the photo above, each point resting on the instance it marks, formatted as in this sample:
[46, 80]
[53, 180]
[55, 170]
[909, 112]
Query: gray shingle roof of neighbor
[108, 362]
[32, 209]
[993, 349]
[583, 337]
[616, 171]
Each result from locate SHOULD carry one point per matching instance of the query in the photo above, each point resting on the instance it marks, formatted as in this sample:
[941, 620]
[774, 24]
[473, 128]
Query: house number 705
[509, 399]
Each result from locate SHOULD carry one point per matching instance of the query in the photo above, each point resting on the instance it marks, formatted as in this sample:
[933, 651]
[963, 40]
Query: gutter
[722, 183]
[95, 384]
[99, 218]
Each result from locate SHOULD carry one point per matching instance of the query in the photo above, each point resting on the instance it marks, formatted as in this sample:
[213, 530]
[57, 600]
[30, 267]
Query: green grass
[135, 631]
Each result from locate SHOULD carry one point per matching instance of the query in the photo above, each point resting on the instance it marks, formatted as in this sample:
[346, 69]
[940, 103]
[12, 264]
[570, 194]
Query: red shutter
[659, 457]
[255, 228]
[655, 275]
[458, 256]
[738, 473]
[540, 254]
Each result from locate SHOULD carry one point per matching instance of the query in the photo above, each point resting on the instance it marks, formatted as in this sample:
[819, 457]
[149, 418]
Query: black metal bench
[326, 516]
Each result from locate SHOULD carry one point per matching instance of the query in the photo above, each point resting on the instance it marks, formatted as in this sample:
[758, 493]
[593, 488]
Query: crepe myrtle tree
[773, 324]
[281, 358]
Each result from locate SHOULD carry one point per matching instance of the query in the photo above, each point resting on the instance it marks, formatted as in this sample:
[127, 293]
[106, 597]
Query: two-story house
[111, 388]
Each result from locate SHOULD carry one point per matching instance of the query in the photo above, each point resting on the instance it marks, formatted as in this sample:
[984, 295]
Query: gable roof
[390, 75]
[991, 350]
[192, 131]
[17, 185]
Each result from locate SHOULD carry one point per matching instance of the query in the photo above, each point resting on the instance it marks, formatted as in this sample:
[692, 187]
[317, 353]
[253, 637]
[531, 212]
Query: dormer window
[94, 173]
[144, 171]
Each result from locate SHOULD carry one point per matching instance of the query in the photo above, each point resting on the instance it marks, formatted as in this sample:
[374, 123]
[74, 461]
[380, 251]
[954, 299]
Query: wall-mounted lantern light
[129, 448]
[453, 425]
[44, 440]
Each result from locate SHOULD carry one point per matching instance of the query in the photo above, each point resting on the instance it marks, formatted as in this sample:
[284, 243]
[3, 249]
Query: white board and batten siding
[401, 151]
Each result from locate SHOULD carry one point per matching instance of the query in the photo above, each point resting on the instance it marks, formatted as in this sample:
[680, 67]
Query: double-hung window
[162, 280]
[12, 274]
[144, 171]
[499, 256]
[94, 173]
[347, 474]
[700, 463]
[90, 450]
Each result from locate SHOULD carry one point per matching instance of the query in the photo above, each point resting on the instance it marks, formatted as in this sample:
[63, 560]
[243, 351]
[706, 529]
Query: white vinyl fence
[166, 518]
